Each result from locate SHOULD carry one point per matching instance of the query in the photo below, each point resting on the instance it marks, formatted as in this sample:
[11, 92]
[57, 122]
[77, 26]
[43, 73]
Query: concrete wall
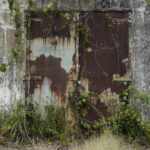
[11, 82]
[141, 46]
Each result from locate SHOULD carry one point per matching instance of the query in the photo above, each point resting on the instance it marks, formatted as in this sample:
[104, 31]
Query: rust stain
[92, 115]
[48, 25]
[103, 59]
[50, 67]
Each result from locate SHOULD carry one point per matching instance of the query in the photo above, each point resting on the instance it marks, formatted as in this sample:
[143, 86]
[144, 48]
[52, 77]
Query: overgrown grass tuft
[107, 141]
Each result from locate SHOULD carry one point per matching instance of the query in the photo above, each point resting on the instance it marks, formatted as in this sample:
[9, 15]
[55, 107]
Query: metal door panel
[52, 55]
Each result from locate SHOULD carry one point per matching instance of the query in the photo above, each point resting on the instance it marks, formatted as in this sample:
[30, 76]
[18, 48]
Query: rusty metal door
[105, 60]
[52, 56]
[103, 63]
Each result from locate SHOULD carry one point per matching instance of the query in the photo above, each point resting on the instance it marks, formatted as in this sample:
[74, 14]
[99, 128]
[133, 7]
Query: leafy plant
[129, 120]
[12, 126]
[3, 67]
[84, 33]
[148, 2]
[10, 2]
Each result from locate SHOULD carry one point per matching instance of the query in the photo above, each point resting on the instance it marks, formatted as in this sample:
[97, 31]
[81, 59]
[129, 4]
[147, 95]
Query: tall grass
[107, 141]
[23, 123]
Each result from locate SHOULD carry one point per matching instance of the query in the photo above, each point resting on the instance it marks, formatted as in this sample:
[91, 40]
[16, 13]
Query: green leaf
[30, 2]
[110, 25]
[91, 4]
[80, 103]
[123, 103]
[33, 9]
[10, 61]
[14, 52]
[138, 119]
[49, 5]
[16, 7]
[19, 47]
[84, 100]
[10, 4]
[3, 67]
[45, 10]
[18, 33]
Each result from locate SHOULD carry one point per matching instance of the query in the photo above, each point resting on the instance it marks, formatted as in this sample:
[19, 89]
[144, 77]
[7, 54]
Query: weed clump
[26, 122]
[107, 141]
[23, 124]
[127, 121]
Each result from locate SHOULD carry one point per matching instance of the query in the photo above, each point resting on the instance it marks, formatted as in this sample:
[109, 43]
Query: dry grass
[106, 142]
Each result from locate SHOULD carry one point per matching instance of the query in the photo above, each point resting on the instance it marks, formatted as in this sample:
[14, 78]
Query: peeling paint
[117, 77]
[63, 50]
[54, 59]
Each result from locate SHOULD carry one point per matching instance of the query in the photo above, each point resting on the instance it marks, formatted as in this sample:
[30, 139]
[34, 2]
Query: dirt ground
[42, 147]
[36, 147]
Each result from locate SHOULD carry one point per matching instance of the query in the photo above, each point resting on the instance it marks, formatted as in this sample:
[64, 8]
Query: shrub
[129, 120]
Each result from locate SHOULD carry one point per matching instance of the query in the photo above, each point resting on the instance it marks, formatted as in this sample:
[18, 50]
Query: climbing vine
[148, 2]
[15, 11]
[127, 120]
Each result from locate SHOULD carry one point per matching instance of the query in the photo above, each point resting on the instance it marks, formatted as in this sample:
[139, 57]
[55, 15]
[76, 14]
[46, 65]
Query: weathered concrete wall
[84, 5]
[141, 46]
[11, 82]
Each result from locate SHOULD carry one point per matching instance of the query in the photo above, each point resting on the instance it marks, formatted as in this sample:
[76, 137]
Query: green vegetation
[3, 67]
[15, 11]
[127, 121]
[148, 2]
[23, 124]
